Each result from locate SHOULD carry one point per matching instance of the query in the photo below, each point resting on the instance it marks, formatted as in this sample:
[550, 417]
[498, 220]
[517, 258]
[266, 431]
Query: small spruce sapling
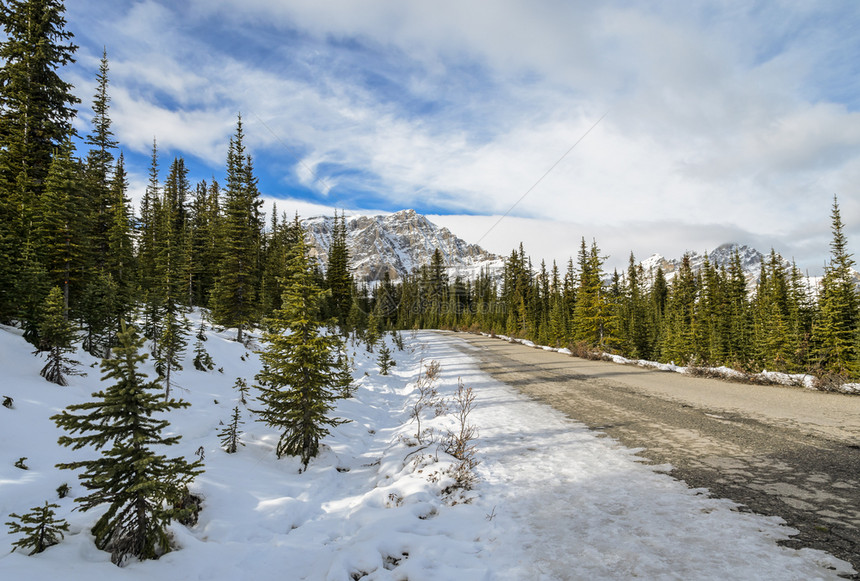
[372, 335]
[39, 527]
[398, 340]
[343, 365]
[171, 349]
[202, 359]
[242, 387]
[56, 335]
[230, 434]
[384, 360]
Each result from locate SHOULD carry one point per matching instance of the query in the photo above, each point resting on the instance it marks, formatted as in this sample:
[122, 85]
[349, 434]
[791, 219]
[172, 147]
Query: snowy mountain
[721, 256]
[751, 260]
[399, 243]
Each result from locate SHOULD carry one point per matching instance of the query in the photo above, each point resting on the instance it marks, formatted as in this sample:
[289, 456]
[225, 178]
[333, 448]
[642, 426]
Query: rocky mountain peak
[398, 244]
[719, 257]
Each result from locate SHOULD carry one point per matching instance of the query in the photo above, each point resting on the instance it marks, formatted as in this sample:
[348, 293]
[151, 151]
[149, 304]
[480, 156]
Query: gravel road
[789, 452]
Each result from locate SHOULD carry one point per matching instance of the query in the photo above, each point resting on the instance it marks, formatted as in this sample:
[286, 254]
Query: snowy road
[786, 466]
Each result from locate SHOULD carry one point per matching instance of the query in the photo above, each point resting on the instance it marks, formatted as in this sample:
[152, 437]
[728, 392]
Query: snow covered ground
[554, 500]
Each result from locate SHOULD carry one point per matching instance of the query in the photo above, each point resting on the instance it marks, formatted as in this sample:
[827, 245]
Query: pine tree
[678, 341]
[147, 256]
[99, 164]
[36, 112]
[31, 287]
[171, 347]
[234, 299]
[301, 378]
[202, 359]
[558, 315]
[10, 245]
[436, 286]
[800, 316]
[614, 331]
[384, 360]
[230, 434]
[774, 348]
[738, 344]
[372, 333]
[591, 307]
[204, 254]
[279, 248]
[120, 260]
[36, 105]
[98, 314]
[640, 320]
[61, 224]
[387, 301]
[172, 272]
[338, 278]
[141, 487]
[836, 329]
[56, 335]
[540, 306]
[39, 527]
[516, 289]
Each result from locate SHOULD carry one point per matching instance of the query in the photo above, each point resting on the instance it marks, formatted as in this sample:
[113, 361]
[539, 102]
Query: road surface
[784, 451]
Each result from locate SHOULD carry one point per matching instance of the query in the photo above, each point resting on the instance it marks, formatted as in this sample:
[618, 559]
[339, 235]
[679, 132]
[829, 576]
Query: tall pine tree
[835, 330]
[301, 376]
[235, 296]
[338, 278]
[99, 164]
[36, 105]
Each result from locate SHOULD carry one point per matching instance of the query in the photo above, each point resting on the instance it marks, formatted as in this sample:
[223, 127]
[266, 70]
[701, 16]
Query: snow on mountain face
[751, 260]
[721, 256]
[399, 243]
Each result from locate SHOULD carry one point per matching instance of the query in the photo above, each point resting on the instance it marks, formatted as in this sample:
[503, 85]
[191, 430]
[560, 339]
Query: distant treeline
[701, 318]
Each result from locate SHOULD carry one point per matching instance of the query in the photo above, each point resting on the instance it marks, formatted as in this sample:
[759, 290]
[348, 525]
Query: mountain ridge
[402, 242]
[398, 244]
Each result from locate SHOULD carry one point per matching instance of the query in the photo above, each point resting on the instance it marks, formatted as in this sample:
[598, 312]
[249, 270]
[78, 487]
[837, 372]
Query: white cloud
[714, 112]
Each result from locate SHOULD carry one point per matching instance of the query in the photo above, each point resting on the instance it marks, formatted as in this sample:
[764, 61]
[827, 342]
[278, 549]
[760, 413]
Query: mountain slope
[721, 256]
[751, 261]
[398, 244]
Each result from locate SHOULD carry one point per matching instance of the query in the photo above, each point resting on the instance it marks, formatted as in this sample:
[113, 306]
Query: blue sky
[725, 121]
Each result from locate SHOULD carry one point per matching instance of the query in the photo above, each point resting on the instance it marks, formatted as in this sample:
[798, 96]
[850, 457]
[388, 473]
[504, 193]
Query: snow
[775, 377]
[554, 500]
[399, 244]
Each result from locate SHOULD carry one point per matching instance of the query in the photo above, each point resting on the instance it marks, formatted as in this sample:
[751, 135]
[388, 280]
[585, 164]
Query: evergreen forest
[77, 258]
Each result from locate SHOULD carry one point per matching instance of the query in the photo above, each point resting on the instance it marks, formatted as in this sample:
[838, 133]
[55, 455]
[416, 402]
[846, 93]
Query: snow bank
[791, 379]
